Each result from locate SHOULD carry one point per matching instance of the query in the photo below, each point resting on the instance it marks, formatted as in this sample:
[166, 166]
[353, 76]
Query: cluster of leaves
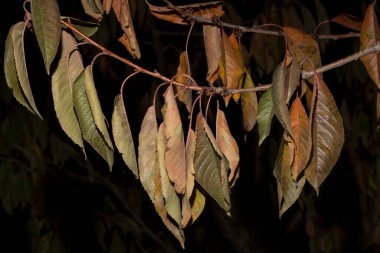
[177, 172]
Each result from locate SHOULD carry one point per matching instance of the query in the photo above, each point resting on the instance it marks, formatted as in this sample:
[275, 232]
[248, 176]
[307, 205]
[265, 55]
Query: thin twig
[338, 36]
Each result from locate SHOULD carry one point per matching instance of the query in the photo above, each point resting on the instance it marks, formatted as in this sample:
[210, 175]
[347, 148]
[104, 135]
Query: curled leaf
[265, 115]
[212, 40]
[93, 8]
[348, 21]
[249, 105]
[184, 95]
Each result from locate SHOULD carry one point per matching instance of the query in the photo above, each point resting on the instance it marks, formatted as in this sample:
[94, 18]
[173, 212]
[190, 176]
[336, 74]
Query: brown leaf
[107, 5]
[369, 36]
[175, 157]
[348, 21]
[184, 95]
[212, 40]
[301, 134]
[327, 134]
[205, 10]
[378, 111]
[249, 104]
[227, 143]
[293, 74]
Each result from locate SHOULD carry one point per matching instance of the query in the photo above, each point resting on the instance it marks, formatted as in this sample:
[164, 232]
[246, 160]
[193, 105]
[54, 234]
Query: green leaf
[293, 74]
[47, 26]
[87, 124]
[122, 135]
[197, 205]
[68, 69]
[327, 134]
[265, 115]
[93, 8]
[85, 27]
[209, 164]
[249, 105]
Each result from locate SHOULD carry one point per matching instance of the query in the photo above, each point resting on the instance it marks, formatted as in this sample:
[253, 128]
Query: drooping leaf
[327, 134]
[208, 163]
[69, 67]
[280, 108]
[123, 15]
[107, 5]
[172, 202]
[184, 95]
[249, 105]
[265, 115]
[348, 21]
[198, 205]
[288, 190]
[122, 135]
[93, 8]
[227, 143]
[369, 36]
[17, 33]
[205, 10]
[84, 112]
[47, 26]
[212, 40]
[85, 27]
[231, 66]
[301, 134]
[293, 74]
[175, 157]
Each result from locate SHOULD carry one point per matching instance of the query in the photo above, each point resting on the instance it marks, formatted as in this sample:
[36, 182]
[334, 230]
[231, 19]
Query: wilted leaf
[17, 34]
[293, 74]
[327, 134]
[107, 5]
[369, 36]
[301, 134]
[93, 8]
[249, 105]
[47, 26]
[123, 15]
[265, 115]
[89, 129]
[348, 21]
[172, 203]
[212, 40]
[280, 108]
[122, 135]
[205, 10]
[175, 157]
[198, 205]
[69, 67]
[287, 189]
[227, 143]
[184, 95]
[208, 163]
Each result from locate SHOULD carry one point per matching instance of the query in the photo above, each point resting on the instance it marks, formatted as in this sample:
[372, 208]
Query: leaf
[232, 65]
[327, 134]
[212, 40]
[69, 67]
[17, 33]
[184, 95]
[198, 205]
[205, 10]
[208, 163]
[287, 189]
[93, 8]
[378, 111]
[348, 21]
[87, 123]
[265, 115]
[249, 105]
[301, 133]
[122, 135]
[172, 203]
[369, 36]
[47, 27]
[227, 143]
[279, 84]
[175, 157]
[107, 5]
[293, 74]
[123, 15]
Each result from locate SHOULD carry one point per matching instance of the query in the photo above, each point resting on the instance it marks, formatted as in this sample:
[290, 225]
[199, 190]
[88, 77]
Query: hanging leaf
[327, 134]
[184, 95]
[208, 163]
[87, 28]
[231, 66]
[212, 40]
[369, 36]
[93, 8]
[84, 112]
[175, 157]
[17, 34]
[279, 84]
[348, 21]
[205, 10]
[107, 5]
[122, 135]
[172, 203]
[265, 115]
[123, 15]
[293, 74]
[198, 205]
[378, 111]
[227, 143]
[69, 67]
[47, 26]
[249, 105]
[301, 134]
[288, 190]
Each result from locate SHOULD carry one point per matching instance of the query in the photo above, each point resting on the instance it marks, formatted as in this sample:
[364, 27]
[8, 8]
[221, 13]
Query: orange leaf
[184, 95]
[212, 40]
[348, 21]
